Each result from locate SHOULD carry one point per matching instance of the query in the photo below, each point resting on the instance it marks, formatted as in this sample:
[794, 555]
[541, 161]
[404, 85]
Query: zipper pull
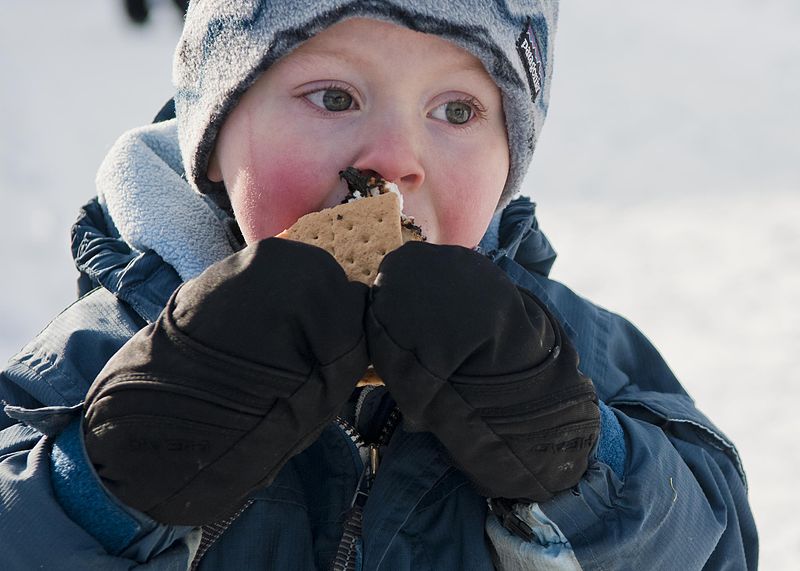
[367, 476]
[374, 459]
[504, 511]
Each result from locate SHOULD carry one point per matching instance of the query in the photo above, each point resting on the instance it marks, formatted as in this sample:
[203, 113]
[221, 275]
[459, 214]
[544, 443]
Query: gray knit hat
[226, 44]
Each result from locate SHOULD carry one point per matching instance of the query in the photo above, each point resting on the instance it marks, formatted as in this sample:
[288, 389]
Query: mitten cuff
[611, 449]
[78, 490]
[121, 530]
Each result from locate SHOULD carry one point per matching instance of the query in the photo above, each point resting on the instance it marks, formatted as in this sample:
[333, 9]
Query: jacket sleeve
[681, 502]
[541, 544]
[54, 511]
[680, 499]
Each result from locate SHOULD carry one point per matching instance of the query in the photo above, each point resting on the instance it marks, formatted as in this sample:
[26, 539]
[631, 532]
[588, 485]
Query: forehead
[367, 42]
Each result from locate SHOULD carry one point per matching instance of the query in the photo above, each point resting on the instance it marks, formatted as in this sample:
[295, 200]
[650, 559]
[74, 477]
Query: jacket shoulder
[58, 365]
[613, 352]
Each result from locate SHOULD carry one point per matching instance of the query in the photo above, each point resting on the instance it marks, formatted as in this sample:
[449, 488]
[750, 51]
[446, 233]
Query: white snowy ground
[668, 178]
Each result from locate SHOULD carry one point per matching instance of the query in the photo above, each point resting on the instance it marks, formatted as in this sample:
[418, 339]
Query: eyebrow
[472, 65]
[327, 56]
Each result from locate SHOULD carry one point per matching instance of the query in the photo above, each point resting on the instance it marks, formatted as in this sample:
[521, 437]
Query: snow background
[668, 178]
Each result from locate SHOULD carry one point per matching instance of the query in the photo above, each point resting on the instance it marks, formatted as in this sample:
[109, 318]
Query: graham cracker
[358, 234]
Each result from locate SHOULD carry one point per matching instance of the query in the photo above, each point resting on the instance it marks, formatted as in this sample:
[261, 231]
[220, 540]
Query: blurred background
[667, 177]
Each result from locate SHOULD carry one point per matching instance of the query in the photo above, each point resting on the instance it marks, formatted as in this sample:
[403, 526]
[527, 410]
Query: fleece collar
[514, 233]
[143, 191]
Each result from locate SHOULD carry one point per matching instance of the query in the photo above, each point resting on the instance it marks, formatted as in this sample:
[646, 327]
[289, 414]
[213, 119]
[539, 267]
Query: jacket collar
[140, 278]
[141, 187]
[147, 231]
[514, 233]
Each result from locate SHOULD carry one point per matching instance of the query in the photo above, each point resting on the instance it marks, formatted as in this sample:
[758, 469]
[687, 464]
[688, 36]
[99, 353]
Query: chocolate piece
[356, 182]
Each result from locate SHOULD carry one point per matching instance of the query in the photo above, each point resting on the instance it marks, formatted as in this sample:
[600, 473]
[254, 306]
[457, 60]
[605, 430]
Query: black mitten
[243, 369]
[481, 363]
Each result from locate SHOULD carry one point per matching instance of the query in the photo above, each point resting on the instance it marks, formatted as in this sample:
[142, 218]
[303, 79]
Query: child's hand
[243, 369]
[477, 361]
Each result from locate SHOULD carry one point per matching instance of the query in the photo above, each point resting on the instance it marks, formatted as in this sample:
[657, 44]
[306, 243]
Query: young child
[197, 407]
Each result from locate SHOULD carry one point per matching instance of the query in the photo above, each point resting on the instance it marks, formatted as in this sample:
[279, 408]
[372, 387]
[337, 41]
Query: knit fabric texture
[227, 44]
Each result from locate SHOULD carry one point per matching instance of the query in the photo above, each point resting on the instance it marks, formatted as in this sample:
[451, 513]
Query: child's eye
[458, 112]
[331, 99]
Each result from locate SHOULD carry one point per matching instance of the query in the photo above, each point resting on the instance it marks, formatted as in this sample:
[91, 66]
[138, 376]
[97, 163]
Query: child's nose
[395, 158]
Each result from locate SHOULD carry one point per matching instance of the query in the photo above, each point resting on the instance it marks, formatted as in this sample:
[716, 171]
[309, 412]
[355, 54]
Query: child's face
[416, 109]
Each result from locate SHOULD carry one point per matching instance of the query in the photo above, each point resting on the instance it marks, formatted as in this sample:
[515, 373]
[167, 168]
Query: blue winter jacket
[665, 488]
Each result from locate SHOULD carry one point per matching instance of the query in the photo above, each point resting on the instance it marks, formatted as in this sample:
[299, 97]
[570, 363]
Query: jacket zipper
[345, 559]
[211, 533]
[352, 528]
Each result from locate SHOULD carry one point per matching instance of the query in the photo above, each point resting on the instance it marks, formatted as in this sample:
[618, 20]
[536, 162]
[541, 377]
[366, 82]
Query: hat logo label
[531, 56]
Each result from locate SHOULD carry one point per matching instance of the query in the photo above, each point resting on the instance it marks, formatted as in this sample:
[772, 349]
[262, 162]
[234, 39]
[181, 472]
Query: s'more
[359, 232]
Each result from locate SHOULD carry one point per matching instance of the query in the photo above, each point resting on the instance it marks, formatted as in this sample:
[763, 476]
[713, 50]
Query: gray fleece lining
[140, 184]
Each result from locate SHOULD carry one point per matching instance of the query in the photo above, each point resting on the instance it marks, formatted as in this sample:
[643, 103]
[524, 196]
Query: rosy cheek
[466, 209]
[277, 193]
